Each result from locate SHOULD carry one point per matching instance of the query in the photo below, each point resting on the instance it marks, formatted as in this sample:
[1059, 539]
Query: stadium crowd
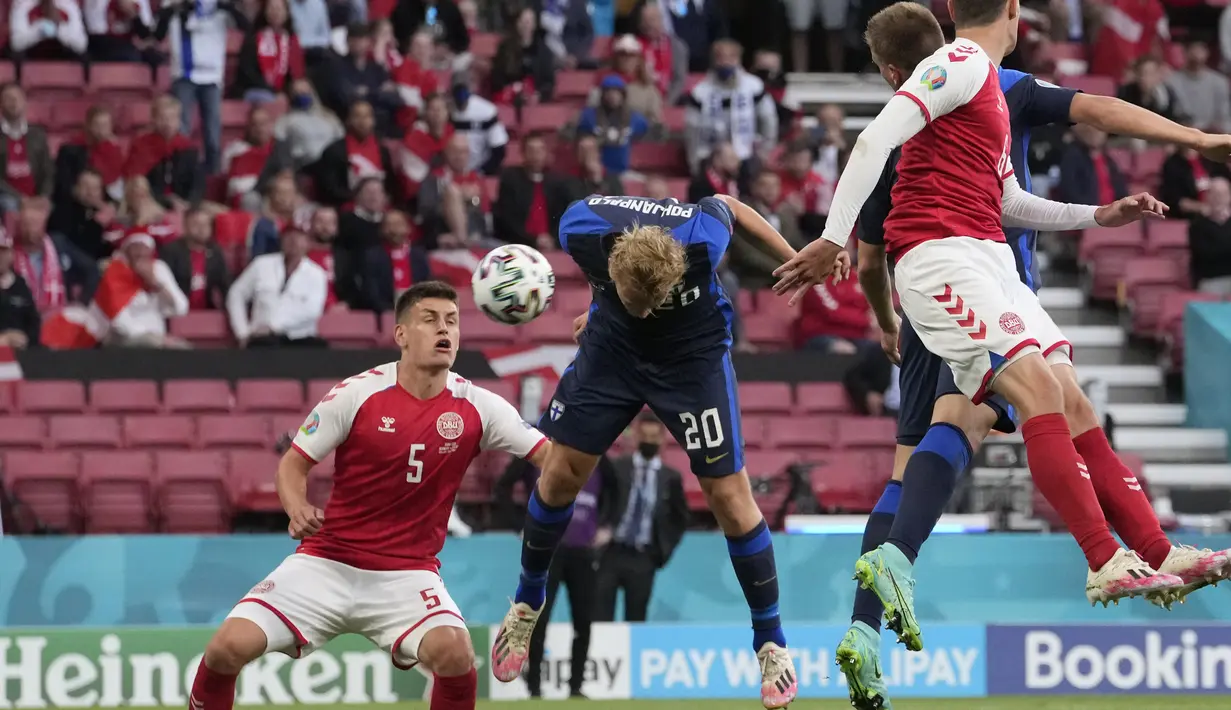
[358, 139]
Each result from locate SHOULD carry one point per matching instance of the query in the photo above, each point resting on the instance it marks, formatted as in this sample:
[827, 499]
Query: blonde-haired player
[657, 333]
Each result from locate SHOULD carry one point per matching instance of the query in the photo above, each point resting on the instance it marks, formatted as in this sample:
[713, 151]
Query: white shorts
[970, 308]
[307, 601]
[800, 13]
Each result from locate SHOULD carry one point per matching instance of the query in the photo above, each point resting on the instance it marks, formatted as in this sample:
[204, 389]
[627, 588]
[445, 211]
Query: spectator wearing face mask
[47, 29]
[270, 57]
[308, 128]
[478, 120]
[353, 159]
[767, 66]
[196, 262]
[730, 105]
[614, 124]
[531, 199]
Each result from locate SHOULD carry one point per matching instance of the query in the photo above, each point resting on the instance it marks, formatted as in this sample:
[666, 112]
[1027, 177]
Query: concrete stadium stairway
[1131, 383]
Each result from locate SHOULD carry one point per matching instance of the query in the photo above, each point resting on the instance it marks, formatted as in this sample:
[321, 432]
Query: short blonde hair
[646, 263]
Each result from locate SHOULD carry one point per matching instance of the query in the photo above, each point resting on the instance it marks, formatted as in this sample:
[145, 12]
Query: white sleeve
[178, 304]
[503, 428]
[239, 298]
[1022, 209]
[23, 34]
[327, 426]
[946, 81]
[897, 122]
[71, 32]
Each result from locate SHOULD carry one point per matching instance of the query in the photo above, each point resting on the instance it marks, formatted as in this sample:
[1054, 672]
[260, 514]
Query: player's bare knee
[730, 500]
[1078, 408]
[237, 643]
[958, 411]
[447, 651]
[1030, 386]
[564, 474]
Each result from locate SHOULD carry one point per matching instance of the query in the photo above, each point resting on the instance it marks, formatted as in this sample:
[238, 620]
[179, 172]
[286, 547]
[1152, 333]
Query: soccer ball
[513, 284]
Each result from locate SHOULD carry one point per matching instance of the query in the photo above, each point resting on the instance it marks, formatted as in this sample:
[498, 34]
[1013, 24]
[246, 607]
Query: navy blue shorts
[925, 378]
[601, 393]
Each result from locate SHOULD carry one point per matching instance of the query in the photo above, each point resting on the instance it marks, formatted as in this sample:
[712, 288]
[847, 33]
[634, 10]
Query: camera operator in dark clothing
[575, 563]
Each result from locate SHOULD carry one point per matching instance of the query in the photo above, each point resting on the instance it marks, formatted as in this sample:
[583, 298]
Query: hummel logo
[719, 457]
[386, 424]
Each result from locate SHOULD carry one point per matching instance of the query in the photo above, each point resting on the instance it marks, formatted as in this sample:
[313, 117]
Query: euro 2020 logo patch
[450, 425]
[312, 424]
[934, 78]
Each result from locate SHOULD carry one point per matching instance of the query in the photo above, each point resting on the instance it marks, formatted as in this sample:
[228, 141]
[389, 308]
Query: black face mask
[648, 450]
[771, 80]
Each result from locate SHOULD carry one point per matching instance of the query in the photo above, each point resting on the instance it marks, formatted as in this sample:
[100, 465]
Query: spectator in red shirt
[804, 187]
[357, 156]
[412, 74]
[523, 70]
[95, 148]
[453, 205]
[198, 264]
[141, 213]
[1128, 29]
[531, 199]
[324, 252]
[26, 168]
[834, 318]
[252, 161]
[388, 269]
[1185, 180]
[270, 57]
[666, 57]
[166, 158]
[1088, 173]
[112, 25]
[423, 148]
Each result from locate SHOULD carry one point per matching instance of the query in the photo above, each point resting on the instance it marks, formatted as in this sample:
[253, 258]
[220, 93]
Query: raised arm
[758, 226]
[1022, 209]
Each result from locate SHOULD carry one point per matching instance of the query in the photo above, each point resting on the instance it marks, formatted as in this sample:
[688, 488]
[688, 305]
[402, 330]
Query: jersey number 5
[415, 474]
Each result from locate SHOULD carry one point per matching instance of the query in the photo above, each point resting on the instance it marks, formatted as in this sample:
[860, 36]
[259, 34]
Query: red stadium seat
[768, 463]
[1171, 325]
[575, 84]
[8, 72]
[767, 333]
[197, 396]
[807, 432]
[192, 491]
[765, 397]
[7, 398]
[204, 329]
[547, 118]
[251, 478]
[317, 389]
[555, 327]
[117, 492]
[666, 158]
[349, 329]
[867, 432]
[1147, 279]
[486, 333]
[120, 81]
[753, 429]
[132, 117]
[565, 269]
[1166, 236]
[841, 483]
[68, 115]
[79, 431]
[233, 229]
[601, 50]
[227, 431]
[22, 432]
[1148, 164]
[1090, 84]
[51, 396]
[53, 81]
[821, 397]
[269, 396]
[47, 483]
[673, 120]
[1103, 254]
[124, 396]
[483, 44]
[160, 432]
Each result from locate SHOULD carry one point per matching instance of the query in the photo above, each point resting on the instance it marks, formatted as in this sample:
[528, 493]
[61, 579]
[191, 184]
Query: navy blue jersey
[697, 316]
[1031, 103]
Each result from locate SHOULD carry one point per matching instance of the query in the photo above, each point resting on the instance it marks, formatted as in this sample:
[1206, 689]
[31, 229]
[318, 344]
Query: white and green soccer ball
[513, 284]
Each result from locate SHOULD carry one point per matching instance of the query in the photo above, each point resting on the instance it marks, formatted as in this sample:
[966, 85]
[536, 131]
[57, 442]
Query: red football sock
[455, 692]
[1056, 470]
[212, 690]
[1125, 504]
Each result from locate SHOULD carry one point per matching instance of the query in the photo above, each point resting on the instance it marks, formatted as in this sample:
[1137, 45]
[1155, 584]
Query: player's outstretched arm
[751, 220]
[1112, 115]
[292, 484]
[874, 279]
[1022, 209]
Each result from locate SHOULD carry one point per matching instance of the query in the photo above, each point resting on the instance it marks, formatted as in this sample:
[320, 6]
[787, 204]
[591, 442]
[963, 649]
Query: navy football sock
[868, 607]
[927, 485]
[752, 556]
[544, 527]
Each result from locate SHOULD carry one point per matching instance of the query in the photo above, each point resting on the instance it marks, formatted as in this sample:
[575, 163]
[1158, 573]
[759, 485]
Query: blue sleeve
[580, 220]
[585, 123]
[871, 225]
[1040, 103]
[638, 124]
[717, 229]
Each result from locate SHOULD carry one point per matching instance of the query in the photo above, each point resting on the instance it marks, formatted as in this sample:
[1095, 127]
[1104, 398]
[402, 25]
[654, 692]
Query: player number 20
[707, 427]
[415, 473]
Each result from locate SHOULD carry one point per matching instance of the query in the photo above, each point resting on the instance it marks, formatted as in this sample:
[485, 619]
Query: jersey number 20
[707, 427]
[415, 472]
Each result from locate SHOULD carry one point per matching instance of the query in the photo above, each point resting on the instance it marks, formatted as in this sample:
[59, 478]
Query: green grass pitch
[1092, 702]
